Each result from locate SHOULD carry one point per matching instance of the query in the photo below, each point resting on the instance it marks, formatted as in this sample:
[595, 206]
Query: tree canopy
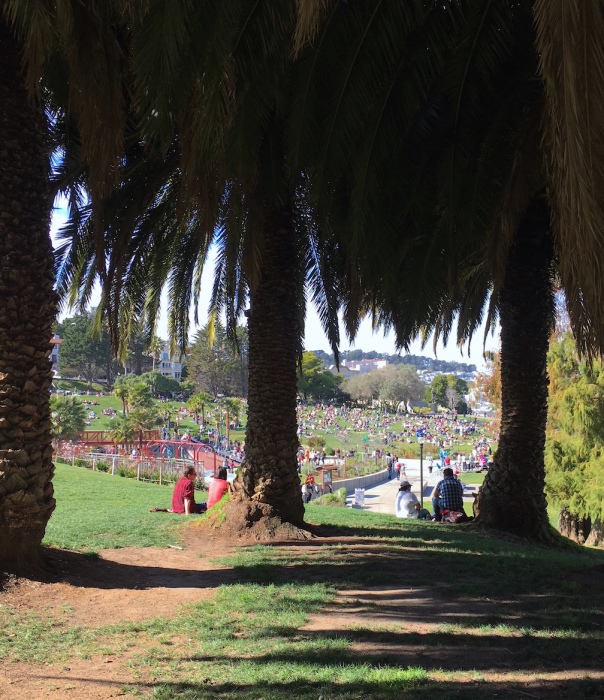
[316, 382]
[574, 448]
[215, 364]
[83, 351]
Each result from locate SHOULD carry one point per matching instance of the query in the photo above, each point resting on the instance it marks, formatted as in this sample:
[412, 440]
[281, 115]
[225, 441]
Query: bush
[337, 499]
[315, 442]
[330, 452]
[102, 467]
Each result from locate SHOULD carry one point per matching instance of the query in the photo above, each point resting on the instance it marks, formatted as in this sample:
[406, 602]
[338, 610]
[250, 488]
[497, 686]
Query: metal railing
[151, 469]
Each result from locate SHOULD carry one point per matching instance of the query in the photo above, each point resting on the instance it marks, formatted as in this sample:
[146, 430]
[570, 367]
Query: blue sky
[314, 338]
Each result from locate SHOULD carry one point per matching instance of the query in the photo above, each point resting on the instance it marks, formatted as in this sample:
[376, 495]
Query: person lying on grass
[183, 498]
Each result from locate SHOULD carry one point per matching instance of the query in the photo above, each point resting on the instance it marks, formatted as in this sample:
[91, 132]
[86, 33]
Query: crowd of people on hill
[450, 432]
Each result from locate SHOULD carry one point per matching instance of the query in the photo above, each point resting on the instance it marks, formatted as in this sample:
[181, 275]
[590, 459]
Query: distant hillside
[418, 361]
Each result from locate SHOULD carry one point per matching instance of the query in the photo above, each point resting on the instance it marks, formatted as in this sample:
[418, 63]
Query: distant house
[55, 343]
[170, 365]
[363, 366]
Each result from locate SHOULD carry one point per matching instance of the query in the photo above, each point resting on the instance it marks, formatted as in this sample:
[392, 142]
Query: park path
[381, 497]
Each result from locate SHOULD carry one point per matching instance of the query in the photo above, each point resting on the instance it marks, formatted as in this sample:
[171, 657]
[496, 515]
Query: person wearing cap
[447, 494]
[407, 505]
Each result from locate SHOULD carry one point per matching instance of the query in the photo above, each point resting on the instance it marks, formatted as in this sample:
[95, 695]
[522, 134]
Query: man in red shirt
[183, 498]
[218, 487]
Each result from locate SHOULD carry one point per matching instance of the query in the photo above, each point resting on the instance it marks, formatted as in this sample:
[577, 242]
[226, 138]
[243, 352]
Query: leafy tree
[159, 384]
[213, 362]
[187, 386]
[139, 353]
[139, 395]
[574, 447]
[316, 382]
[83, 351]
[403, 385]
[68, 417]
[366, 387]
[441, 384]
[488, 384]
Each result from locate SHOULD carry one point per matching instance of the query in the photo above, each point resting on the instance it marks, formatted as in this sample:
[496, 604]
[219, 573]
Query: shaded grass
[482, 603]
[99, 511]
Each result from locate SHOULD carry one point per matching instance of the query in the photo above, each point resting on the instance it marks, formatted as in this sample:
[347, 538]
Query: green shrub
[102, 467]
[337, 499]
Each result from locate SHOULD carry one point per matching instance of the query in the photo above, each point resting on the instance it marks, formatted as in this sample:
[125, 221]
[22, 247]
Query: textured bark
[27, 310]
[573, 527]
[270, 482]
[596, 534]
[512, 497]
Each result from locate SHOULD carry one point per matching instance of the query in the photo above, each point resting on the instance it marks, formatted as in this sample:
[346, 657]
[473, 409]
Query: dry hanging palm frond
[570, 41]
[310, 13]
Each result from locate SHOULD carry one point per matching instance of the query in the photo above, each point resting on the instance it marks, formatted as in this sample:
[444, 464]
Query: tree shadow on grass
[307, 689]
[91, 571]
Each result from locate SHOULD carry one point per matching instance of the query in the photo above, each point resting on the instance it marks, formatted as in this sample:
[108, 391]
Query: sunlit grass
[98, 511]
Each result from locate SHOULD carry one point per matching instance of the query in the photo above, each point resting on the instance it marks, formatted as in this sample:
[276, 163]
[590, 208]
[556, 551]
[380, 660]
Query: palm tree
[26, 316]
[223, 179]
[197, 403]
[35, 32]
[233, 408]
[121, 388]
[156, 347]
[433, 157]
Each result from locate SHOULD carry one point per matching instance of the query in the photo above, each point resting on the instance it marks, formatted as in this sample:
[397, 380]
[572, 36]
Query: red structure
[101, 437]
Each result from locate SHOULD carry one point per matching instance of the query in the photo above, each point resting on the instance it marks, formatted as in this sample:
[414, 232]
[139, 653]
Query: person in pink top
[218, 487]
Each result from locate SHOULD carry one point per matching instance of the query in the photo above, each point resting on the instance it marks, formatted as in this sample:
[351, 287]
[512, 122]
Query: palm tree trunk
[27, 311]
[269, 471]
[512, 497]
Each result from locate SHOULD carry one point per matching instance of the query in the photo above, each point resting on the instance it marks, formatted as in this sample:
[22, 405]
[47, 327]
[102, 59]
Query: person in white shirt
[407, 505]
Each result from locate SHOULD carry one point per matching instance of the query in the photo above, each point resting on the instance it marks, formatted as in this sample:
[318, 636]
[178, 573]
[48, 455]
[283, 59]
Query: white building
[55, 342]
[170, 365]
[364, 366]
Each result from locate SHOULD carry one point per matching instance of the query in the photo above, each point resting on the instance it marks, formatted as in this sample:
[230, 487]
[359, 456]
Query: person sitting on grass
[183, 498]
[447, 495]
[407, 505]
[218, 487]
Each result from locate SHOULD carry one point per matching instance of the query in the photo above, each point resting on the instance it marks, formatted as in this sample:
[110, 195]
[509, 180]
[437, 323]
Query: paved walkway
[381, 497]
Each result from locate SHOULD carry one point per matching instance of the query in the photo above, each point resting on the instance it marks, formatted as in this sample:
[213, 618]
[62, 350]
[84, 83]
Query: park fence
[157, 470]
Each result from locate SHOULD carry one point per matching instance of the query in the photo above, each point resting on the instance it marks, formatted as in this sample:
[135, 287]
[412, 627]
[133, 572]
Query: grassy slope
[98, 511]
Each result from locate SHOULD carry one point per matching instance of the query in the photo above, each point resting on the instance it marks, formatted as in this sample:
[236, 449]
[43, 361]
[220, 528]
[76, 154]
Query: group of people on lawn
[183, 498]
[447, 497]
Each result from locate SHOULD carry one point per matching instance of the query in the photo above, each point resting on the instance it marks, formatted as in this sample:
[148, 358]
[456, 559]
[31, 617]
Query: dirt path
[127, 584]
[393, 624]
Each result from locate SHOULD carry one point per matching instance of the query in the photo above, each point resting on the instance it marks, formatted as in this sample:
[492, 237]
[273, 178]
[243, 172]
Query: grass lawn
[98, 511]
[374, 608]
